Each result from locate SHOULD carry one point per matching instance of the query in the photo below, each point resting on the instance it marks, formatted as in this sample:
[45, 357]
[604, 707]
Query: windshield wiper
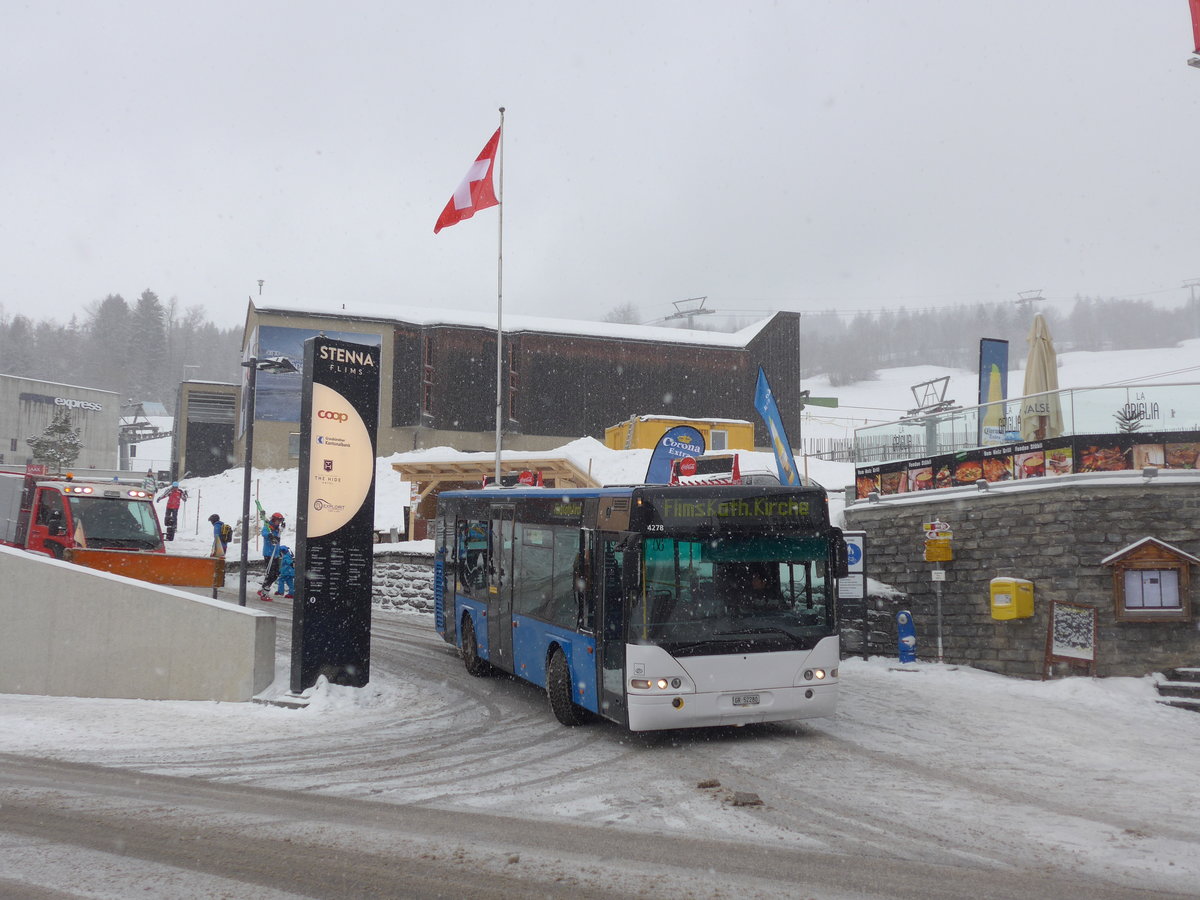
[768, 629]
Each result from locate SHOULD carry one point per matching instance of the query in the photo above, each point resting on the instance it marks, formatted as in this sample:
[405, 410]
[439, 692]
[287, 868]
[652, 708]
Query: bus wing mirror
[841, 556]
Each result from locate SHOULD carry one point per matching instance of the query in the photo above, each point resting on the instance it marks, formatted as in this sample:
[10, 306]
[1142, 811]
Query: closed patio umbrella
[1041, 417]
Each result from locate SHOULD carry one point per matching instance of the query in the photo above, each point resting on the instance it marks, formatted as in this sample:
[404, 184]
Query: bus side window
[472, 555]
[585, 587]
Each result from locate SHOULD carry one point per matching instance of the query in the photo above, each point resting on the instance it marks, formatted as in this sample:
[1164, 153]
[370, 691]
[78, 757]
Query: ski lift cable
[1136, 378]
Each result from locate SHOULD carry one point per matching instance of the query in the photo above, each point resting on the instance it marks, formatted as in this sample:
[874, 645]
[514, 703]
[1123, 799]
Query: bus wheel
[470, 650]
[558, 689]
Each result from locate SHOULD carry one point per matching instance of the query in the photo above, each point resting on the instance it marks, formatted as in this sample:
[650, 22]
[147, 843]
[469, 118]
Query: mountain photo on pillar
[475, 192]
[764, 402]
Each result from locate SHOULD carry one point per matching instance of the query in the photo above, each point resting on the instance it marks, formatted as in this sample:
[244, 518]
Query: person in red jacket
[176, 496]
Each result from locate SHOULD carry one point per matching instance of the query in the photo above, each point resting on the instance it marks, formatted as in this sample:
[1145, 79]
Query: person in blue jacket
[286, 585]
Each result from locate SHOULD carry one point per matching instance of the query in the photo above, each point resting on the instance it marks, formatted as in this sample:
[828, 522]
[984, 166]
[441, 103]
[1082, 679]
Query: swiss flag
[475, 192]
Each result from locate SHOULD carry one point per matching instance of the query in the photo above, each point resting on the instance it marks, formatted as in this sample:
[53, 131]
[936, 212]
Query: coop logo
[77, 404]
[319, 505]
[330, 414]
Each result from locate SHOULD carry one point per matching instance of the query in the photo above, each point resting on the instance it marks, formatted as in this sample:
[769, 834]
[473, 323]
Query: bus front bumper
[654, 712]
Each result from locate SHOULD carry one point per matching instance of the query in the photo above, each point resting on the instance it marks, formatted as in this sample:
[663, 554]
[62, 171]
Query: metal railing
[1149, 408]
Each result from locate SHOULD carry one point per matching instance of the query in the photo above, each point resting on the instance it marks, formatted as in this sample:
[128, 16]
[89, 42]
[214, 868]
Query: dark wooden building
[561, 379]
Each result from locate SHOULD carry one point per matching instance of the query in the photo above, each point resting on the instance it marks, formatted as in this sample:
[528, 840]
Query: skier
[222, 534]
[175, 496]
[272, 530]
[286, 586]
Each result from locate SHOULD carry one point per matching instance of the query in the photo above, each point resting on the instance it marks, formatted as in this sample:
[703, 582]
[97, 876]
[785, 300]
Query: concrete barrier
[67, 631]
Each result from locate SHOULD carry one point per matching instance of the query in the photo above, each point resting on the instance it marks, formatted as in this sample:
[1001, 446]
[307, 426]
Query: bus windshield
[103, 523]
[733, 594]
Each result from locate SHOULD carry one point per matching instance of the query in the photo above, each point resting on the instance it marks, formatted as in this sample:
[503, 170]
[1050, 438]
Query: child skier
[272, 530]
[222, 534]
[286, 586]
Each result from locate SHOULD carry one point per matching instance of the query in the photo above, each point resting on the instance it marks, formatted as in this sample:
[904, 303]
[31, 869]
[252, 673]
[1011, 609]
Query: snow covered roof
[1126, 551]
[517, 324]
[653, 417]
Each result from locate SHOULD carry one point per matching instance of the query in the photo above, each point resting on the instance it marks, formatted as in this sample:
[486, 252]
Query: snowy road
[935, 783]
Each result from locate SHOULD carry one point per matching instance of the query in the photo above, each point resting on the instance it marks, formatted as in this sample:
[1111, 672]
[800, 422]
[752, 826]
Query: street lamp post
[276, 365]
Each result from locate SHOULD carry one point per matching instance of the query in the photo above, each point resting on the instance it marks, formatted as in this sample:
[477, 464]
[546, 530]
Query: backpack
[226, 533]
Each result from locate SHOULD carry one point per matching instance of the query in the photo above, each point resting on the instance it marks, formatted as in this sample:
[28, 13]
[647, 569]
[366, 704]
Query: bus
[653, 606]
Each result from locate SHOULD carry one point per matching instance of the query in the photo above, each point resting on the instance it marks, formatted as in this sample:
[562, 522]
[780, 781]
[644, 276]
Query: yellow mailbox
[1012, 598]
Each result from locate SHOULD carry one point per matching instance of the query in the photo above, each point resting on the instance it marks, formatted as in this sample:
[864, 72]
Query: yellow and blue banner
[764, 402]
[993, 391]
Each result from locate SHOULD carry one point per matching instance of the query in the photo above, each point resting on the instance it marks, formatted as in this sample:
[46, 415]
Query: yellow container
[644, 432]
[1012, 598]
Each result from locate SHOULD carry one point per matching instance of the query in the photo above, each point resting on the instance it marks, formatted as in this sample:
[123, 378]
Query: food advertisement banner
[1033, 459]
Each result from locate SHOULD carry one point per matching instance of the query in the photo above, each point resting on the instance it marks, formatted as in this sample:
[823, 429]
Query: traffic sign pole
[938, 550]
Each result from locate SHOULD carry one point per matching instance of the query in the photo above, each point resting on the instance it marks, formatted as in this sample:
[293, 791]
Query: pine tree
[106, 363]
[1128, 419]
[147, 357]
[19, 356]
[59, 444]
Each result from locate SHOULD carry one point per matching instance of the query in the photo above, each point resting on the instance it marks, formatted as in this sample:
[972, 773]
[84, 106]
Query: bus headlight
[662, 684]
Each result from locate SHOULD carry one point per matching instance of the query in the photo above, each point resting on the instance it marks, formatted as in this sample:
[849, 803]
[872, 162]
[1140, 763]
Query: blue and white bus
[654, 606]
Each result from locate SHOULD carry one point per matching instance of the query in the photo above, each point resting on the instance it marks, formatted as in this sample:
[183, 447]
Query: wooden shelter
[431, 477]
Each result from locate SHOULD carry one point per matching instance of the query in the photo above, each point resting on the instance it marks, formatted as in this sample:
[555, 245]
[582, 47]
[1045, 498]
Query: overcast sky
[804, 155]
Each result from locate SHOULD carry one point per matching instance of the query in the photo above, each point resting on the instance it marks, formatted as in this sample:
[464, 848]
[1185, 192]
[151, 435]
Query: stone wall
[404, 581]
[1054, 534]
[400, 580]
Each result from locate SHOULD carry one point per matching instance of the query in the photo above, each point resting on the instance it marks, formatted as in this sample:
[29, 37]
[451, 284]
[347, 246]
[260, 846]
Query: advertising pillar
[339, 415]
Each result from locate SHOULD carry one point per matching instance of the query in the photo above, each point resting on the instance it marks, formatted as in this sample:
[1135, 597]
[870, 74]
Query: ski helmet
[275, 516]
[174, 484]
[214, 518]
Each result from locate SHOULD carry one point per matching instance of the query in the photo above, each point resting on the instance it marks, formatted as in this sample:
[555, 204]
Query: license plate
[745, 699]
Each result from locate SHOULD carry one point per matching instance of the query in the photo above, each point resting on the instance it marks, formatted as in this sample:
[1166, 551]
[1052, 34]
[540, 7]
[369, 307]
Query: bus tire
[470, 650]
[559, 690]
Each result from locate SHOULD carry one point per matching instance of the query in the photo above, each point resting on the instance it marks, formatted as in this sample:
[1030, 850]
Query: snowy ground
[950, 766]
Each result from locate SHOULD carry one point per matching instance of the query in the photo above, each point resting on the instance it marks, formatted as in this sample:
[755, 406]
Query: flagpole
[500, 306]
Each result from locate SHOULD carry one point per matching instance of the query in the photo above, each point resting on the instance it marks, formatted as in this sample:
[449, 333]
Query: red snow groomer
[108, 525]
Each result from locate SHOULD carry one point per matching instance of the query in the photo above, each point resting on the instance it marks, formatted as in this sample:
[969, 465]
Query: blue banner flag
[676, 443]
[764, 402]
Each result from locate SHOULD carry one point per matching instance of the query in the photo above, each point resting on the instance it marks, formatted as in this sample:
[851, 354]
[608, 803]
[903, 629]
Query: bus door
[500, 589]
[618, 579]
